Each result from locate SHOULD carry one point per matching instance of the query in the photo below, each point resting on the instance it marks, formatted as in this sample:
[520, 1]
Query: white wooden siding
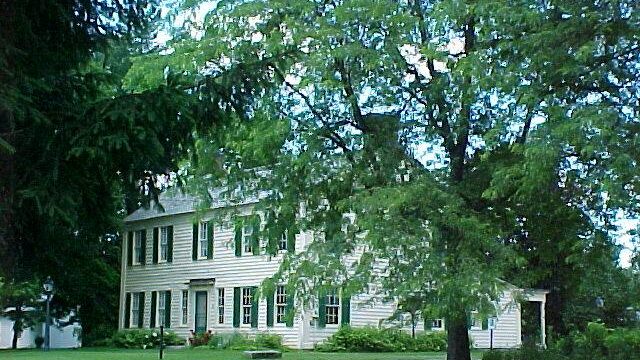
[230, 271]
[507, 331]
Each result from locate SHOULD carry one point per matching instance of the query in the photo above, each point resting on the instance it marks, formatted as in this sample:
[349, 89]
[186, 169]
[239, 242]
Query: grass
[202, 354]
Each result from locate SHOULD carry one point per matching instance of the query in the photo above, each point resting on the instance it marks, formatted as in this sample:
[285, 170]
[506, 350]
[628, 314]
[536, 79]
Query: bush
[144, 338]
[370, 339]
[239, 341]
[39, 340]
[431, 341]
[99, 335]
[598, 342]
[527, 353]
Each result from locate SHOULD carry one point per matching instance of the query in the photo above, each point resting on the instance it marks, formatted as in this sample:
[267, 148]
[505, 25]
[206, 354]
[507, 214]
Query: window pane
[221, 306]
[246, 305]
[247, 231]
[332, 308]
[185, 304]
[164, 242]
[282, 245]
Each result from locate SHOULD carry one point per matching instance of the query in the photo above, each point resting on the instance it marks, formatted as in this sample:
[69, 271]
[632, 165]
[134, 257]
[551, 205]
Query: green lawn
[202, 354]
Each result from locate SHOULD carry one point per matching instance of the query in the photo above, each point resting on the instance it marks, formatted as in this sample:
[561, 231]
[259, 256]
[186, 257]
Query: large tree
[468, 140]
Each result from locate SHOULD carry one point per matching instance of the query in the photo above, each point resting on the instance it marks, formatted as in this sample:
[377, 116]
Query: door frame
[195, 309]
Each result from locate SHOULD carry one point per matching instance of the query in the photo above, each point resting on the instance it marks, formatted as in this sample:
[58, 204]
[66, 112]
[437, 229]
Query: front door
[201, 311]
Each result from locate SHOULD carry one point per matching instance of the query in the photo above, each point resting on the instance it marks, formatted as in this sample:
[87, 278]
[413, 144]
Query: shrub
[99, 335]
[144, 338]
[239, 341]
[268, 341]
[431, 341]
[527, 353]
[39, 340]
[370, 339]
[599, 343]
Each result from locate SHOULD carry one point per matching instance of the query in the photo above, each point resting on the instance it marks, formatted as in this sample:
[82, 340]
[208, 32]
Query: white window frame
[162, 307]
[283, 243]
[138, 256]
[436, 324]
[163, 244]
[185, 307]
[134, 315]
[476, 322]
[332, 309]
[281, 304]
[220, 305]
[203, 242]
[247, 243]
[247, 303]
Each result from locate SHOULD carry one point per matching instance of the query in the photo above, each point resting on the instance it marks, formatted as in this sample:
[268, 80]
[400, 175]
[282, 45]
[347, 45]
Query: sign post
[161, 341]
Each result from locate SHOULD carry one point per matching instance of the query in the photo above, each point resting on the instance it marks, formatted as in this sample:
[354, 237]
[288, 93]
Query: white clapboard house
[202, 276]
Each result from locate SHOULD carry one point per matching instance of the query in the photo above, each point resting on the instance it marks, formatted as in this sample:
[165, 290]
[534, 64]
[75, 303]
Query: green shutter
[238, 239]
[127, 311]
[322, 310]
[194, 247]
[346, 310]
[152, 318]
[289, 314]
[428, 324]
[144, 247]
[469, 318]
[291, 239]
[130, 248]
[170, 244]
[167, 309]
[237, 293]
[255, 235]
[270, 307]
[485, 323]
[210, 240]
[271, 232]
[141, 312]
[254, 307]
[155, 245]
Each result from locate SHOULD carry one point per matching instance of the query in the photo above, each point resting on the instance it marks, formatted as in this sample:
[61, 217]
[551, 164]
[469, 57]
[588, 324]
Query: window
[185, 306]
[333, 304]
[162, 304]
[135, 308]
[247, 241]
[204, 244]
[164, 243]
[138, 257]
[221, 306]
[246, 305]
[282, 244]
[474, 321]
[281, 304]
[436, 324]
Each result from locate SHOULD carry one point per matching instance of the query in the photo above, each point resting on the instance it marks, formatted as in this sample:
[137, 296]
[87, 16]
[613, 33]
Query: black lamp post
[48, 291]
[600, 305]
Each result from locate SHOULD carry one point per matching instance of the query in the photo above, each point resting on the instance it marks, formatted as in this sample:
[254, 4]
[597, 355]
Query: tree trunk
[17, 330]
[458, 338]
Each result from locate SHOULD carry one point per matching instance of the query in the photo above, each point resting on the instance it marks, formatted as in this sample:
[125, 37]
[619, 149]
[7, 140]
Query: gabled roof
[173, 202]
[176, 202]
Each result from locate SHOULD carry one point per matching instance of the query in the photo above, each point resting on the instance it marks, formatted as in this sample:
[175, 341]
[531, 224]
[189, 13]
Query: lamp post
[48, 291]
[600, 305]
